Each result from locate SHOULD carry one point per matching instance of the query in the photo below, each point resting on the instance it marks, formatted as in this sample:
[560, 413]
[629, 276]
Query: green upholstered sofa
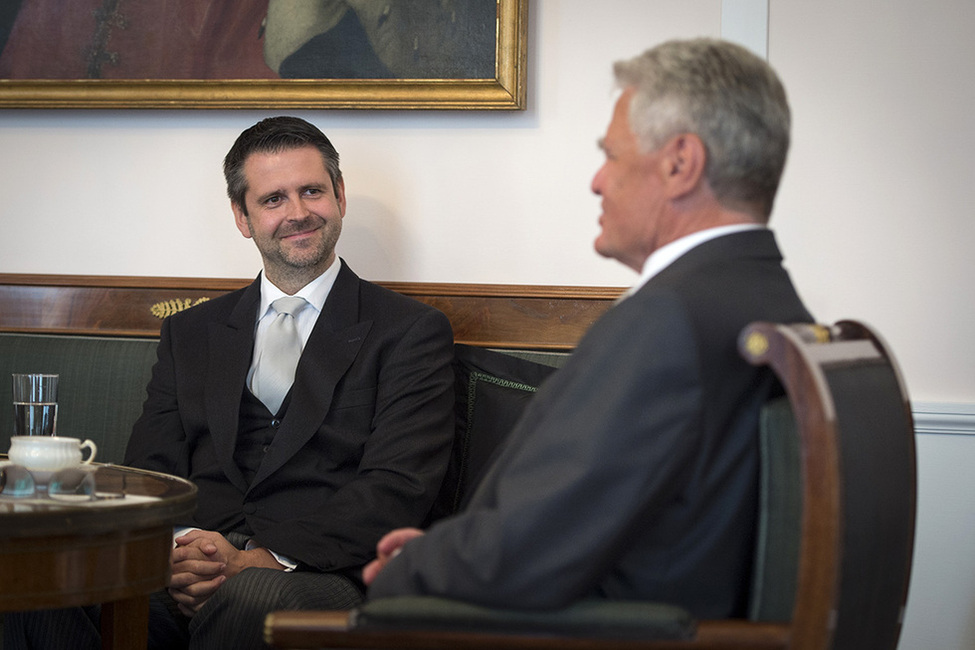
[103, 380]
[100, 335]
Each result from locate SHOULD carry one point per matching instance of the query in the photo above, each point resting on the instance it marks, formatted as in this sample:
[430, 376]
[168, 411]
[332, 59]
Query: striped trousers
[233, 617]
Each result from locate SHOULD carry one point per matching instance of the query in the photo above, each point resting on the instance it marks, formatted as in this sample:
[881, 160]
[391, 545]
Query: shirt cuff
[286, 562]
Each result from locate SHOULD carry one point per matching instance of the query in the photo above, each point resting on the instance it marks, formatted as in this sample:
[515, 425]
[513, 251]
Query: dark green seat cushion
[101, 389]
[780, 515]
[607, 619]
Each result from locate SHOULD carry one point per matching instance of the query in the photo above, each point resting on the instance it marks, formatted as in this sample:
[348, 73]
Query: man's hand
[388, 548]
[202, 561]
[196, 573]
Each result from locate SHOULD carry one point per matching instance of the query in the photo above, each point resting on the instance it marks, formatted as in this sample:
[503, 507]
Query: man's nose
[597, 182]
[299, 209]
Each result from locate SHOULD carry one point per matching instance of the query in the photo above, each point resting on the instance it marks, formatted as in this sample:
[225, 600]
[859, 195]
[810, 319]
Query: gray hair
[728, 97]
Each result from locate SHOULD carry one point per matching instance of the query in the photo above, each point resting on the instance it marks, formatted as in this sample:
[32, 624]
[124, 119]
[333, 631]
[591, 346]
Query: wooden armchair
[835, 538]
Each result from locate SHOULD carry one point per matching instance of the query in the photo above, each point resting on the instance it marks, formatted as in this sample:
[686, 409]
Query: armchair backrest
[856, 441]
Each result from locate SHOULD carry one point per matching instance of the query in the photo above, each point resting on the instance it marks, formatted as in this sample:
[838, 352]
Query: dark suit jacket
[362, 447]
[633, 472]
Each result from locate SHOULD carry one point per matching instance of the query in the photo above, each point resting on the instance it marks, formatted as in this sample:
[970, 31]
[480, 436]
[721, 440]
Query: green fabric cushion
[592, 618]
[101, 389]
[780, 515]
[492, 388]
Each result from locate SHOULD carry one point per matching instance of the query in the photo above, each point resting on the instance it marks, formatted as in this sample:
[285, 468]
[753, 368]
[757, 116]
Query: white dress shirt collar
[667, 255]
[315, 292]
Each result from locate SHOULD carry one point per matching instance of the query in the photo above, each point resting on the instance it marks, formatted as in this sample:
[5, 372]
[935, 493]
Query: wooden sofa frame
[505, 316]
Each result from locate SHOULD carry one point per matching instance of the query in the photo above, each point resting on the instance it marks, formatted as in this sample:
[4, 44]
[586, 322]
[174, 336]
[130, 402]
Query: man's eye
[273, 200]
[313, 191]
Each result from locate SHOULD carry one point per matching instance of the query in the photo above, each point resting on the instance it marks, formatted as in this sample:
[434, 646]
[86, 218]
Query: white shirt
[315, 292]
[667, 255]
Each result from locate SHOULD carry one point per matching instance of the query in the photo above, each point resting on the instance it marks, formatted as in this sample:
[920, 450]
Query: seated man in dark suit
[633, 473]
[297, 481]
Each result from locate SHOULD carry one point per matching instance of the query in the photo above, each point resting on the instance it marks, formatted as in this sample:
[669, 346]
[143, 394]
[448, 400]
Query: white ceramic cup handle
[92, 448]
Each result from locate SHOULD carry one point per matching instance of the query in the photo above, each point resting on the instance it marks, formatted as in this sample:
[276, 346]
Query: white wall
[873, 214]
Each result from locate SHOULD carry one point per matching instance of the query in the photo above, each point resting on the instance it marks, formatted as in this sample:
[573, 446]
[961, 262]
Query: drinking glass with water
[35, 404]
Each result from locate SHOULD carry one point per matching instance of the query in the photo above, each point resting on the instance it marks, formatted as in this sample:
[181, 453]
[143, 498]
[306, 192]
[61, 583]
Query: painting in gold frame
[506, 90]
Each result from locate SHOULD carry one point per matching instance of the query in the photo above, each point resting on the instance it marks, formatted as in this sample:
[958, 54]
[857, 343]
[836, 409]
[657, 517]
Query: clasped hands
[202, 561]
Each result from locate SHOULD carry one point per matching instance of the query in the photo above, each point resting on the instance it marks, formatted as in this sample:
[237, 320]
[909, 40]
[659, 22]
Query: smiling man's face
[293, 213]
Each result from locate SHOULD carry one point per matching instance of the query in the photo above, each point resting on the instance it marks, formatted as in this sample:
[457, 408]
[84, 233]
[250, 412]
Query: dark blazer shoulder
[378, 301]
[390, 302]
[732, 248]
[221, 308]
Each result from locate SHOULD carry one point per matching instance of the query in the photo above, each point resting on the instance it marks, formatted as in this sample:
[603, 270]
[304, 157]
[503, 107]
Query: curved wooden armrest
[317, 629]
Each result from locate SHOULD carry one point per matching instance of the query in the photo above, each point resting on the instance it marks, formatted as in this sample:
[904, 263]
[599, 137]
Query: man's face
[629, 183]
[294, 214]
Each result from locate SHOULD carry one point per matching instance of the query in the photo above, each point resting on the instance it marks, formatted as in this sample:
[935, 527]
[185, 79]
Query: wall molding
[944, 418]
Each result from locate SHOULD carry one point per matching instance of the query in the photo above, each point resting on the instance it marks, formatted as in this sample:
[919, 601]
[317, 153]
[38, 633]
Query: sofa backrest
[109, 373]
[100, 334]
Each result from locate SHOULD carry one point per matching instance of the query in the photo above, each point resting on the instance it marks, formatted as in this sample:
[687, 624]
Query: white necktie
[275, 369]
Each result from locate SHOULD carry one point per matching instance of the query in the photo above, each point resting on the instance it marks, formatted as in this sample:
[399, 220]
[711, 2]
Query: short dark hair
[272, 135]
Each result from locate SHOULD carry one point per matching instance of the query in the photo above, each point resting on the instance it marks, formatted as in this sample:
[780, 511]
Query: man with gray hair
[633, 473]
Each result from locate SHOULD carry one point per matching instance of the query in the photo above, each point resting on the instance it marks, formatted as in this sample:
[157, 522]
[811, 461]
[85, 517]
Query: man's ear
[243, 225]
[340, 196]
[686, 157]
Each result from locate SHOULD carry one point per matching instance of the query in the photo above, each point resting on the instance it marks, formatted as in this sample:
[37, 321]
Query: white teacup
[45, 454]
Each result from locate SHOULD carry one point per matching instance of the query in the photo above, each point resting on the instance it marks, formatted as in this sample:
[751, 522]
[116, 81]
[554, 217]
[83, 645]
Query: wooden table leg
[125, 624]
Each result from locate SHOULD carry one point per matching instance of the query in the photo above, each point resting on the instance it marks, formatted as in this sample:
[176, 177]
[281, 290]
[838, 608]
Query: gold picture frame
[507, 91]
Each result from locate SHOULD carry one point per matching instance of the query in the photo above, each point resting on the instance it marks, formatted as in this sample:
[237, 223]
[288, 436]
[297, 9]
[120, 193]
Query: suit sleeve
[158, 441]
[402, 464]
[604, 444]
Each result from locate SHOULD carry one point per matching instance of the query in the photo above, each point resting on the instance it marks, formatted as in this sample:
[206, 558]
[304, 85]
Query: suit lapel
[231, 346]
[332, 347]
